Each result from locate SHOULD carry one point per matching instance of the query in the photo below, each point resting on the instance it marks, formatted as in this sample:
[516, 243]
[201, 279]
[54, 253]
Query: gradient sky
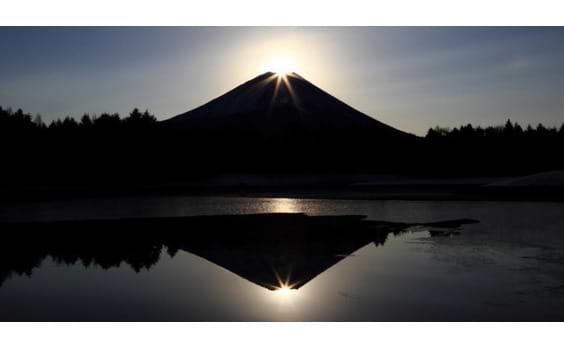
[410, 78]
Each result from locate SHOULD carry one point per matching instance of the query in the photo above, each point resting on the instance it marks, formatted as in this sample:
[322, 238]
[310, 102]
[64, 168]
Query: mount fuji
[281, 105]
[278, 123]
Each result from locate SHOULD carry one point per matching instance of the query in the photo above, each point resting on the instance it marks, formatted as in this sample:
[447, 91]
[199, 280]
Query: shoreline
[461, 192]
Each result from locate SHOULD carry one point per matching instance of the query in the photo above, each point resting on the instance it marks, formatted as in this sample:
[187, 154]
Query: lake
[508, 266]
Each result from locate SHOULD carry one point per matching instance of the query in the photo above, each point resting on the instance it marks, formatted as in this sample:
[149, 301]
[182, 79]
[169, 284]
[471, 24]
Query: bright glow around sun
[282, 65]
[284, 294]
[283, 51]
[284, 291]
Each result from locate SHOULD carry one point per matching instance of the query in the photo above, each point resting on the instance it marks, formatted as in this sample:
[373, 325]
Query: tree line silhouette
[11, 121]
[18, 120]
[510, 129]
[507, 149]
[113, 151]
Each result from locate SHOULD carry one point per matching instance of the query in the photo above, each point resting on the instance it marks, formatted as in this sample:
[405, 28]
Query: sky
[411, 78]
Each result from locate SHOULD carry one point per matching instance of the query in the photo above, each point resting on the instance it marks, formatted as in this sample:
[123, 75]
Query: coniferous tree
[86, 121]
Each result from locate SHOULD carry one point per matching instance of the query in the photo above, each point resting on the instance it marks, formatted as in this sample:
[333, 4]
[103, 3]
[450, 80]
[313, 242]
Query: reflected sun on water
[285, 298]
[282, 205]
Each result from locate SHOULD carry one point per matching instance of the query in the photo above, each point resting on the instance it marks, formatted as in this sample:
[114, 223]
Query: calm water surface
[510, 266]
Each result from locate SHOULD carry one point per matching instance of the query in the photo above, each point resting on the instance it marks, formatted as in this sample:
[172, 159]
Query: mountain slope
[274, 105]
[276, 124]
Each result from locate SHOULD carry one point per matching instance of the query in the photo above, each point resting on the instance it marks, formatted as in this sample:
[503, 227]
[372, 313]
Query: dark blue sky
[411, 78]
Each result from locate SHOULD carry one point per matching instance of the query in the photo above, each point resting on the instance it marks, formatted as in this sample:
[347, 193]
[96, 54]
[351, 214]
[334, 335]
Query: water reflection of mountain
[267, 249]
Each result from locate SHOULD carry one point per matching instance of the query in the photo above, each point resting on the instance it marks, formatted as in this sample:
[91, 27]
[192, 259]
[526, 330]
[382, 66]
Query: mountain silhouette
[281, 106]
[270, 250]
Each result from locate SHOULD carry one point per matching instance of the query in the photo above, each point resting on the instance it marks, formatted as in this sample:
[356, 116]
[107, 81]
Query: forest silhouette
[109, 150]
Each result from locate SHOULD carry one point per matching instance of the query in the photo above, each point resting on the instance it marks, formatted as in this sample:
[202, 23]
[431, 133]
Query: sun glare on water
[285, 298]
[284, 291]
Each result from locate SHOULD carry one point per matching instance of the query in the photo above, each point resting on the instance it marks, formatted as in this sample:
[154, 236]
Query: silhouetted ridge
[265, 127]
[261, 248]
[272, 103]
[284, 123]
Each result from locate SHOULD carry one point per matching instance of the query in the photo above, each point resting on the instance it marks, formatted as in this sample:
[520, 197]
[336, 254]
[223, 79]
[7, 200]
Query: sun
[285, 292]
[282, 65]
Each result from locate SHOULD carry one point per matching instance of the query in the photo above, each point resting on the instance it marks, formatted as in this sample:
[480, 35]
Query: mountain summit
[275, 104]
[282, 123]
